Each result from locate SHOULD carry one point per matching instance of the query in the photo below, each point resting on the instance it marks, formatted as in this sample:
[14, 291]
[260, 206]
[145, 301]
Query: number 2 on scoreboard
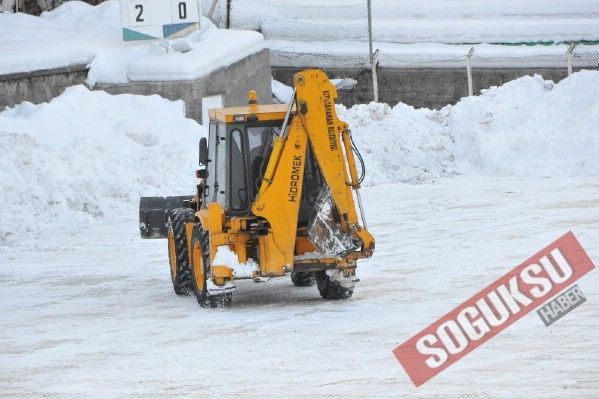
[138, 13]
[139, 7]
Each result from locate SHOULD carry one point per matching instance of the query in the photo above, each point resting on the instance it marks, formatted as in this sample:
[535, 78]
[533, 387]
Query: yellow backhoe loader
[275, 196]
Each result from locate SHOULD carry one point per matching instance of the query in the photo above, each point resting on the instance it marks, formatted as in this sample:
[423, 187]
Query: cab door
[217, 165]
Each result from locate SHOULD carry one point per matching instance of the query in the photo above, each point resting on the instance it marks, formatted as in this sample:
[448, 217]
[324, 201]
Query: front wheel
[200, 271]
[177, 250]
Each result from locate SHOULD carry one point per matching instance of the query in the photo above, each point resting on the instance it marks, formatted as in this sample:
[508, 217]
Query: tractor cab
[237, 152]
[234, 158]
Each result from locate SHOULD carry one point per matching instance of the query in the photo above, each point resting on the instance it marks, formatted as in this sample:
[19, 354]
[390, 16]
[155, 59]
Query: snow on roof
[77, 33]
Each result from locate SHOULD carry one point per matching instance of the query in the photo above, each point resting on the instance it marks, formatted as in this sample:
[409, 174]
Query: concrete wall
[39, 86]
[234, 82]
[421, 87]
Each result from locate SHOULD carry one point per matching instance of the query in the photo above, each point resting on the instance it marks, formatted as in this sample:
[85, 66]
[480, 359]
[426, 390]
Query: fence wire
[335, 34]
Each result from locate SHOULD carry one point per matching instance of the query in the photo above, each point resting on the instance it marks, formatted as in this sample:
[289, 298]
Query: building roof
[252, 112]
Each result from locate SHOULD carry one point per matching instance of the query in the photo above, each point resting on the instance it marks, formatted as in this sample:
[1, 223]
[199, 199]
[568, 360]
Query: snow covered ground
[455, 199]
[97, 316]
[77, 33]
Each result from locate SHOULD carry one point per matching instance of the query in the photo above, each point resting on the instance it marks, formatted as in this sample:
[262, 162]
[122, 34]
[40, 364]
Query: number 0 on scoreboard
[159, 19]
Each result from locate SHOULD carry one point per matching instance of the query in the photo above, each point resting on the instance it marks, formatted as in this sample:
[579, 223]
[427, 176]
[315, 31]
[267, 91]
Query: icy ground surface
[98, 318]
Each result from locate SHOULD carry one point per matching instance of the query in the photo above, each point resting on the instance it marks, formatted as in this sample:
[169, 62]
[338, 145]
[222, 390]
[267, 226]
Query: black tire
[303, 279]
[331, 289]
[177, 252]
[200, 244]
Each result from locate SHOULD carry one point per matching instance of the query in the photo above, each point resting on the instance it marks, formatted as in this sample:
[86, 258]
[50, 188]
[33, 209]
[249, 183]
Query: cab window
[259, 148]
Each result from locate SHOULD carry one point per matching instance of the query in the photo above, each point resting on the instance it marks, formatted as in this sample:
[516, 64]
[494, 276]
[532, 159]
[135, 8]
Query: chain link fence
[339, 34]
[334, 32]
[292, 19]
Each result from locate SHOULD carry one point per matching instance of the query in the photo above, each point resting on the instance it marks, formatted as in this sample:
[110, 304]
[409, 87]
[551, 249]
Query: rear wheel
[331, 289]
[302, 279]
[200, 271]
[178, 256]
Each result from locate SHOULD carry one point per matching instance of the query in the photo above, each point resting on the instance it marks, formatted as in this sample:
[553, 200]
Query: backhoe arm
[315, 121]
[331, 143]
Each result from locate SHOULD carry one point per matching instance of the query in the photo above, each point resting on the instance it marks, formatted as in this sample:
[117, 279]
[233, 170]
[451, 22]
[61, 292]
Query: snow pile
[88, 156]
[399, 144]
[528, 127]
[77, 33]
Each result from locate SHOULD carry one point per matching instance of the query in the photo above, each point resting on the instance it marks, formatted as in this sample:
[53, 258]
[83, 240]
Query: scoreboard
[159, 19]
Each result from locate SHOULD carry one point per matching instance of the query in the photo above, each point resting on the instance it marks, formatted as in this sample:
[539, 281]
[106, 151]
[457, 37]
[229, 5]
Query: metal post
[369, 5]
[373, 56]
[469, 71]
[228, 22]
[212, 8]
[375, 76]
[569, 57]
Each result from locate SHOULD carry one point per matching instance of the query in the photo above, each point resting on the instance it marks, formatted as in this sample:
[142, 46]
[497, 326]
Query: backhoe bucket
[154, 213]
[325, 233]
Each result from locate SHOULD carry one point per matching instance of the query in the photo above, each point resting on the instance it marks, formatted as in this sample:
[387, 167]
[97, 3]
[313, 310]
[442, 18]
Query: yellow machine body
[269, 234]
[281, 188]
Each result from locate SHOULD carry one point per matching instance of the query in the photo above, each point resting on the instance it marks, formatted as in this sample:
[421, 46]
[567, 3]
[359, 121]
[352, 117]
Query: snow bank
[400, 144]
[77, 33]
[87, 156]
[527, 127]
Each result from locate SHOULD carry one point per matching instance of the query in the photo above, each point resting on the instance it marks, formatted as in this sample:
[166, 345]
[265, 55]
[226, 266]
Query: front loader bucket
[154, 212]
[325, 233]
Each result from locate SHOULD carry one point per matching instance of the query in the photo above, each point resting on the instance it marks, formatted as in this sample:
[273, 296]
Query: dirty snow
[76, 33]
[224, 256]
